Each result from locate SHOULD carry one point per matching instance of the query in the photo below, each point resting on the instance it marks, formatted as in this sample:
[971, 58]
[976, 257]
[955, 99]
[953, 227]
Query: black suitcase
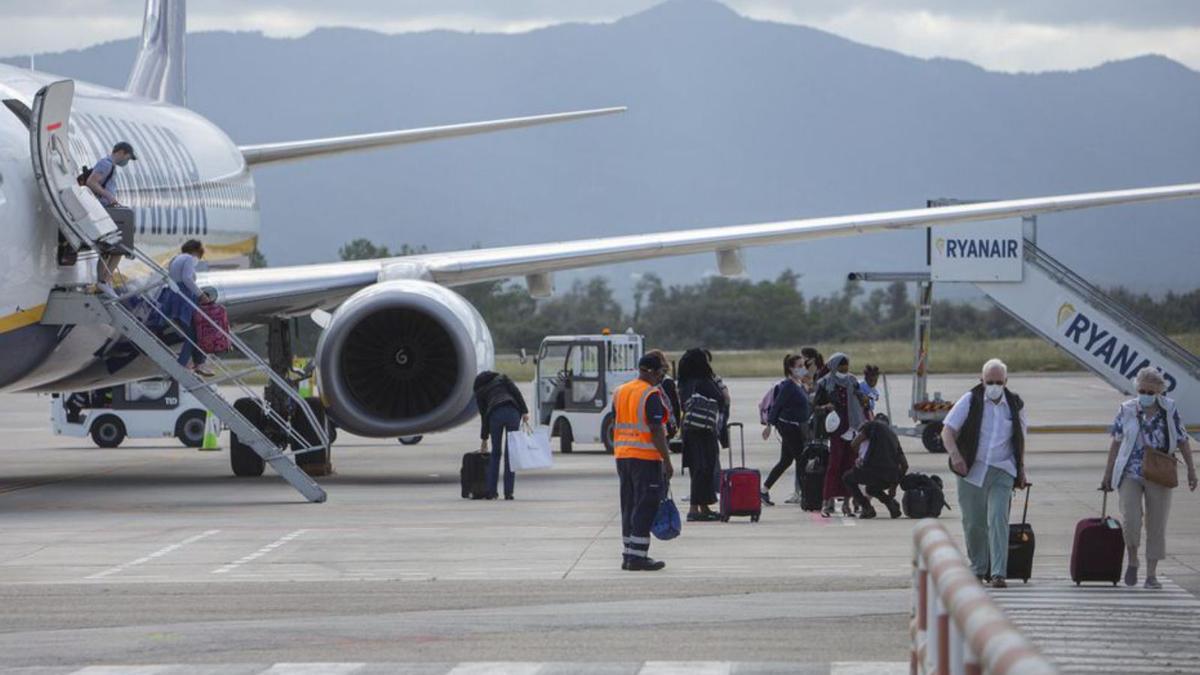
[813, 463]
[473, 475]
[1020, 546]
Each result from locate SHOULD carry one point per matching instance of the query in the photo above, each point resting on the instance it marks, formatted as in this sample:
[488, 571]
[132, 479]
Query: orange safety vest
[631, 433]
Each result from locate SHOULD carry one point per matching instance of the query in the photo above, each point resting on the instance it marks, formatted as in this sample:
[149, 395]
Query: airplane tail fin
[159, 71]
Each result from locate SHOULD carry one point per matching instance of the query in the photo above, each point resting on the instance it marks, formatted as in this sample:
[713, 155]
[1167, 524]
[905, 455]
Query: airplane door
[81, 217]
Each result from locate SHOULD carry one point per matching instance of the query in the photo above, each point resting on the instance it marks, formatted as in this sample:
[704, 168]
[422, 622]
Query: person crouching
[879, 466]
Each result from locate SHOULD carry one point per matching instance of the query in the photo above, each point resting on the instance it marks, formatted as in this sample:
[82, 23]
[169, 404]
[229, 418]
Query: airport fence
[956, 627]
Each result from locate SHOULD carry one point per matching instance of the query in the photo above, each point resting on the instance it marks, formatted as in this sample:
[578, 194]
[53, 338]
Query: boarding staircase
[1095, 330]
[128, 312]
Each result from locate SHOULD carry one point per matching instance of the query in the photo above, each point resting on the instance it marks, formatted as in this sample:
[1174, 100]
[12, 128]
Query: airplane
[399, 348]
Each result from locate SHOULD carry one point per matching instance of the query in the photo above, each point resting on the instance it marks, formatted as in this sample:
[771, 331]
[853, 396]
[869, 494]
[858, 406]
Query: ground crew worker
[643, 459]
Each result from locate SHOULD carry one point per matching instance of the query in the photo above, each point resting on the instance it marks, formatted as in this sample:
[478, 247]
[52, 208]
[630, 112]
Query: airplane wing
[254, 294]
[292, 150]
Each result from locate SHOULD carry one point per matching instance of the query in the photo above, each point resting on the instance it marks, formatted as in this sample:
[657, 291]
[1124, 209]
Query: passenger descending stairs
[71, 306]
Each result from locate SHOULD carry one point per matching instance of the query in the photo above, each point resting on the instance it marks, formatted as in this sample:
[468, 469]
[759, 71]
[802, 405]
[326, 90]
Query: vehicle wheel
[566, 440]
[931, 437]
[189, 428]
[410, 440]
[242, 459]
[301, 425]
[108, 431]
[606, 433]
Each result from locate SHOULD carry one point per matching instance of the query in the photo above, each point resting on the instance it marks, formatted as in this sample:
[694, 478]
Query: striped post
[958, 629]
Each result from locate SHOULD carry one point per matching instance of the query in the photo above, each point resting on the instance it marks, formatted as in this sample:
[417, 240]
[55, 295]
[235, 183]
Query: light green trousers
[984, 513]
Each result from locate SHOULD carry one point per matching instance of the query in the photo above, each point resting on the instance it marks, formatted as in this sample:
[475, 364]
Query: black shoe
[624, 564]
[893, 508]
[868, 512]
[999, 582]
[508, 498]
[766, 498]
[643, 565]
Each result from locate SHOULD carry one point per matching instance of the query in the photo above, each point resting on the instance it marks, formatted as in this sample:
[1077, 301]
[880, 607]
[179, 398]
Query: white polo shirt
[995, 436]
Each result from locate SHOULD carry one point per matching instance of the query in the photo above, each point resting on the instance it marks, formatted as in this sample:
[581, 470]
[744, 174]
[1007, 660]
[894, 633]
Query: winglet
[159, 72]
[293, 150]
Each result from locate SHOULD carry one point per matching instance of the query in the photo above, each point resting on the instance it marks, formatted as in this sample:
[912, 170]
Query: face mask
[993, 391]
[122, 162]
[1146, 400]
[798, 372]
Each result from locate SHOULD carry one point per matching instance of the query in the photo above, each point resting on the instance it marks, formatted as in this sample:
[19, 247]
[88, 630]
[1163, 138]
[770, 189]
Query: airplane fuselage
[190, 181]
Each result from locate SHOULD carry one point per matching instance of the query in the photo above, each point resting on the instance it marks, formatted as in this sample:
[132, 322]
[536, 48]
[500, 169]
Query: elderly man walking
[985, 437]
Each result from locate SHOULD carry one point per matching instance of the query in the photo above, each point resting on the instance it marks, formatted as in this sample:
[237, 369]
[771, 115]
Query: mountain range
[730, 120]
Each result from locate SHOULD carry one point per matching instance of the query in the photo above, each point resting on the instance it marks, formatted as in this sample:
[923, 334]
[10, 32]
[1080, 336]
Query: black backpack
[83, 176]
[923, 496]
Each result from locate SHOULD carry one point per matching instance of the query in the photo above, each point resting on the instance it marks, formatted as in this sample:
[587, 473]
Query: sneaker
[1152, 583]
[203, 372]
[1131, 576]
[766, 498]
[999, 582]
[643, 565]
[893, 508]
[868, 512]
[794, 499]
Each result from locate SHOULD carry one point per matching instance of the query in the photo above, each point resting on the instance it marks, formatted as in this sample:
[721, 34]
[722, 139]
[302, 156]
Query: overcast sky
[1010, 35]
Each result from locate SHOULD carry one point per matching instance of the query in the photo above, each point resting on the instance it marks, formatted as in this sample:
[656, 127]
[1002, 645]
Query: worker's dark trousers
[641, 491]
[876, 484]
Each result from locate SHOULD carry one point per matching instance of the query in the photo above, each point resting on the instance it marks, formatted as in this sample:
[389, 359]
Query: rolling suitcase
[1020, 546]
[1099, 548]
[473, 475]
[812, 467]
[741, 488]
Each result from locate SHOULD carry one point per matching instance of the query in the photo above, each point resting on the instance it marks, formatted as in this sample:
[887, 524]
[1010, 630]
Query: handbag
[528, 449]
[1161, 468]
[667, 523]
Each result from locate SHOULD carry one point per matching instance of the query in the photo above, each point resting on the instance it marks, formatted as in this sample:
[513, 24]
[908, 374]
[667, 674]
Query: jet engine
[399, 358]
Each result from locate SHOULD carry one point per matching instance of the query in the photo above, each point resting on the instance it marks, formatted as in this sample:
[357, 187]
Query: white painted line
[686, 668]
[491, 668]
[260, 552]
[868, 668]
[153, 556]
[312, 668]
[123, 670]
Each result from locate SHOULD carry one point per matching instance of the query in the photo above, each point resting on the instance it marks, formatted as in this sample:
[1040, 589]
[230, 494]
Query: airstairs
[1098, 332]
[128, 310]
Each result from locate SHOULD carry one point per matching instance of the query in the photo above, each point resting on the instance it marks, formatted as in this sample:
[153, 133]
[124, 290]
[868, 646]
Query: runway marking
[868, 668]
[313, 668]
[153, 556]
[686, 667]
[485, 668]
[121, 670]
[259, 553]
[1121, 629]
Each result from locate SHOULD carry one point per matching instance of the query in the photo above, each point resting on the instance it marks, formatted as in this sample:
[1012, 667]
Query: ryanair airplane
[401, 349]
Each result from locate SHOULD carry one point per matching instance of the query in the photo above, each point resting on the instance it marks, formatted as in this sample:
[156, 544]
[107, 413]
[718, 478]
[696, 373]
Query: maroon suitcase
[741, 493]
[1099, 548]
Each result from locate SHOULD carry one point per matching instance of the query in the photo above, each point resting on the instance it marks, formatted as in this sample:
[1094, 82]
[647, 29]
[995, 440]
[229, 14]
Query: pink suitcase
[211, 340]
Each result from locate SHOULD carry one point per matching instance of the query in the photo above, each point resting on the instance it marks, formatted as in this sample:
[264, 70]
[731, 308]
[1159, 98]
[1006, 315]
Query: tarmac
[152, 558]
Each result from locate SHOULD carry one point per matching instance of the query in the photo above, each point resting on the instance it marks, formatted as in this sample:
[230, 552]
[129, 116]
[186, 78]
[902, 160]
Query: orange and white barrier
[956, 628]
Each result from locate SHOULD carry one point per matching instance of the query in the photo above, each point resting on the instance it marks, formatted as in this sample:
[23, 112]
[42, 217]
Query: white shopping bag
[528, 449]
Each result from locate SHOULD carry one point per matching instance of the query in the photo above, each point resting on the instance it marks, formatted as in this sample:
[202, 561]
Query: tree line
[723, 313]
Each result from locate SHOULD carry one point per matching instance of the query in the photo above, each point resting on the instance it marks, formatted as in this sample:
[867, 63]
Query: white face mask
[798, 372]
[993, 391]
[1146, 400]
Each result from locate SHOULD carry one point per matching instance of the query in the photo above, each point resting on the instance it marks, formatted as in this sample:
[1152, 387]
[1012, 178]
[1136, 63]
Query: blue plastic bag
[667, 523]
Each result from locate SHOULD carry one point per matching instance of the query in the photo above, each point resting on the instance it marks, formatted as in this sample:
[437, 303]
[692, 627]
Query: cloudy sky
[1010, 35]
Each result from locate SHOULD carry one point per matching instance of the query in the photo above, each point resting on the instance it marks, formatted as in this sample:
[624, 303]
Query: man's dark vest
[968, 436]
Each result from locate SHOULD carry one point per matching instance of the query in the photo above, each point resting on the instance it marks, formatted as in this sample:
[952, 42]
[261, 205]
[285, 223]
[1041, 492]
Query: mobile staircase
[85, 224]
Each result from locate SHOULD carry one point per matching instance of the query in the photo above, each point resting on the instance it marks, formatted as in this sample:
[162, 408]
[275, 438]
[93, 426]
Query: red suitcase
[741, 492]
[1099, 549]
[211, 340]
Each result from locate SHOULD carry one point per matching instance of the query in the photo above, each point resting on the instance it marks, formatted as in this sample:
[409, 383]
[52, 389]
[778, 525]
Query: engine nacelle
[400, 358]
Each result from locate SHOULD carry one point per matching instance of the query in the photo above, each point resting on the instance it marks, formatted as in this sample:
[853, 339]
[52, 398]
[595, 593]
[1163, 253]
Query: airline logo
[1102, 346]
[979, 248]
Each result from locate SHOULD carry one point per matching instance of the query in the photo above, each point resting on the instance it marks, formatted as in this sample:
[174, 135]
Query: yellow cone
[212, 433]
